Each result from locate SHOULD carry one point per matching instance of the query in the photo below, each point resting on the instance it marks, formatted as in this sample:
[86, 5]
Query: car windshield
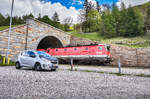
[45, 55]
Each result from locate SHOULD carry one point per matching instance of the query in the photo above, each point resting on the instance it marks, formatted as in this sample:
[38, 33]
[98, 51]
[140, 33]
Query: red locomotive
[43, 50]
[98, 53]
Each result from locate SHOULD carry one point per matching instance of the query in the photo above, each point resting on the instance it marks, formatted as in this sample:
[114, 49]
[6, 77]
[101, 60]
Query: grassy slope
[135, 42]
[6, 27]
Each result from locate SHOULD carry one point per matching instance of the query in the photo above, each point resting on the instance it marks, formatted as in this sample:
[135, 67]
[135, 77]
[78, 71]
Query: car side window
[31, 54]
[25, 54]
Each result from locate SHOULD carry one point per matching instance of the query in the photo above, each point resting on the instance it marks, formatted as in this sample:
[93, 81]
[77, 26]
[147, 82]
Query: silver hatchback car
[36, 60]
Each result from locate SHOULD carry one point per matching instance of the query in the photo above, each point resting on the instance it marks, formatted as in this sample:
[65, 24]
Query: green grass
[91, 36]
[6, 27]
[134, 42]
[11, 62]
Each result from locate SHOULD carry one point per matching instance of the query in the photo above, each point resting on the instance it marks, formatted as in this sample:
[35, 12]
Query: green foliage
[6, 27]
[67, 22]
[117, 18]
[94, 21]
[91, 36]
[10, 64]
[148, 17]
[2, 20]
[134, 42]
[127, 22]
[55, 17]
[47, 20]
[134, 23]
[107, 28]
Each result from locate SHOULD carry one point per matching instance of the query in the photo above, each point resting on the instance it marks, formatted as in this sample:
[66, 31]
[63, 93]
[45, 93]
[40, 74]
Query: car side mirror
[33, 56]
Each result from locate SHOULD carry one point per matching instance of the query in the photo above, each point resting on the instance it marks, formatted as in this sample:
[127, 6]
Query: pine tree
[2, 19]
[94, 21]
[39, 17]
[123, 20]
[134, 23]
[107, 28]
[117, 17]
[55, 17]
[148, 17]
[98, 6]
[88, 6]
[47, 20]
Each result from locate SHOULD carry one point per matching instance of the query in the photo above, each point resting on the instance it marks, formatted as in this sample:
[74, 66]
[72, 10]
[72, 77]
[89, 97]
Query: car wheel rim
[17, 65]
[38, 67]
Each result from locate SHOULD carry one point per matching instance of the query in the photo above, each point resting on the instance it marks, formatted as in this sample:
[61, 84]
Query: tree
[134, 23]
[98, 6]
[55, 17]
[2, 20]
[107, 28]
[117, 18]
[30, 15]
[94, 21]
[7, 20]
[88, 6]
[148, 17]
[67, 23]
[47, 20]
[39, 17]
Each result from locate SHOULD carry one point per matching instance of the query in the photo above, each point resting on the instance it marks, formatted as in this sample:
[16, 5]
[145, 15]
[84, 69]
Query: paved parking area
[65, 84]
[108, 69]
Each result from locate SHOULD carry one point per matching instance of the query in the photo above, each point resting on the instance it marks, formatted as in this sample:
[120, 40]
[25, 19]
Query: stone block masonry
[130, 56]
[37, 31]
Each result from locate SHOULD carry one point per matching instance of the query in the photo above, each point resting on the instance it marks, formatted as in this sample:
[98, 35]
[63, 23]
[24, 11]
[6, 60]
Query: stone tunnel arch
[49, 42]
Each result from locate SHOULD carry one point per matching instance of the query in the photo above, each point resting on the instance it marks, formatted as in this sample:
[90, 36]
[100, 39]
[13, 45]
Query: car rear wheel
[53, 69]
[17, 65]
[38, 67]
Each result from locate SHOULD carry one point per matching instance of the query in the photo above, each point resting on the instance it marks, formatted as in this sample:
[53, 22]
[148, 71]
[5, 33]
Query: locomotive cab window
[100, 48]
[108, 48]
[56, 50]
[65, 49]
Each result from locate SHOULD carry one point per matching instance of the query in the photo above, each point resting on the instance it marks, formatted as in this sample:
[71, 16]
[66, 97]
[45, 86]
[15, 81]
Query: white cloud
[22, 7]
[131, 2]
[92, 1]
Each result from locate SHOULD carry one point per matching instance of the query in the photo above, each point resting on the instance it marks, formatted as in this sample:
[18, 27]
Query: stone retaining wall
[75, 41]
[130, 56]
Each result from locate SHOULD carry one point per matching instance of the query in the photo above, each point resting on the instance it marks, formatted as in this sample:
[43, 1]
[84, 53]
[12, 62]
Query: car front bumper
[50, 67]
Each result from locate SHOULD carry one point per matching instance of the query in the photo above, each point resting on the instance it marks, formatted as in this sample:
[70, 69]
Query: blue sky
[78, 4]
[64, 8]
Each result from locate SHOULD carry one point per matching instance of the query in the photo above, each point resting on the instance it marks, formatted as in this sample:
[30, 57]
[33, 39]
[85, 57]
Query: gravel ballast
[65, 84]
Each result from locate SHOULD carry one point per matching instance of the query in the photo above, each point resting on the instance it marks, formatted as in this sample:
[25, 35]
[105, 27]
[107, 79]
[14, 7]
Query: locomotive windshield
[108, 48]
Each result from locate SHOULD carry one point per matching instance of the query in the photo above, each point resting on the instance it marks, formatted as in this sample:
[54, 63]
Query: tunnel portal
[49, 42]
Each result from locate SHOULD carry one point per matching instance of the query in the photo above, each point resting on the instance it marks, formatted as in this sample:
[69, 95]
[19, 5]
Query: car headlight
[45, 60]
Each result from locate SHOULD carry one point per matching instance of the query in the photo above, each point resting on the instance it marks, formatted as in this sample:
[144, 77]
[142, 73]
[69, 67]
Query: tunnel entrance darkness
[49, 42]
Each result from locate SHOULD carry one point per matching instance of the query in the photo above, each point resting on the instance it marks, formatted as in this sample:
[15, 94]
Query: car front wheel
[17, 65]
[38, 67]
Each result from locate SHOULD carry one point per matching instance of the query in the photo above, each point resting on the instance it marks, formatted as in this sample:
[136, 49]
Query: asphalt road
[65, 84]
